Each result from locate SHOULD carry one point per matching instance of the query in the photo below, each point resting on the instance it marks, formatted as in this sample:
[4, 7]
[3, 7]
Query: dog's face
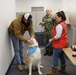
[35, 43]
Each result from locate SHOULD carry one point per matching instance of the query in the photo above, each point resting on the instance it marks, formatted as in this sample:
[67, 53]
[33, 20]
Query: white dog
[33, 57]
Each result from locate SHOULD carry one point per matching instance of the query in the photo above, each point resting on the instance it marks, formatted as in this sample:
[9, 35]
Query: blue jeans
[58, 53]
[18, 48]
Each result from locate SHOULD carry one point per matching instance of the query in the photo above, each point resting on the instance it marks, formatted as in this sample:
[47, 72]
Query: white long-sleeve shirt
[59, 29]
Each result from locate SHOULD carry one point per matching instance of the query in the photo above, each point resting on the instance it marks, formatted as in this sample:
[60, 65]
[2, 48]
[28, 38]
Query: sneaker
[23, 62]
[20, 68]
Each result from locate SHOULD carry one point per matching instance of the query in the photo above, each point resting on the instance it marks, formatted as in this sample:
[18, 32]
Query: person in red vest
[59, 40]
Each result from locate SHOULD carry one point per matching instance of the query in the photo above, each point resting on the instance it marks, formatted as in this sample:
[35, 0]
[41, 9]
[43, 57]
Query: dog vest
[31, 50]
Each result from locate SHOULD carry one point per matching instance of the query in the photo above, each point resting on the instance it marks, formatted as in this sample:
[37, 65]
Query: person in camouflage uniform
[49, 22]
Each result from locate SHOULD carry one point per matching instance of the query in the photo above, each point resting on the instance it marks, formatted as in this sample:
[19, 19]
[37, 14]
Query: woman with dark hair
[59, 40]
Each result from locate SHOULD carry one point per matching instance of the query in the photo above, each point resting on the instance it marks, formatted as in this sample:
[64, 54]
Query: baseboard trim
[10, 66]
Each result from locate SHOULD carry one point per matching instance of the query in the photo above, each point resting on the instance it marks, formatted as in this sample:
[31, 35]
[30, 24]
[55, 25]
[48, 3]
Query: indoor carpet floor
[47, 63]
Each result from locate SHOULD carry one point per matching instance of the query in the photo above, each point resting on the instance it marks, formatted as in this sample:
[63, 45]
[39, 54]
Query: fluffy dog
[33, 57]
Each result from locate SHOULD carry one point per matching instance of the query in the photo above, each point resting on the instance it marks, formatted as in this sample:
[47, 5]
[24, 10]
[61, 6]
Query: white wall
[65, 2]
[7, 14]
[72, 9]
[72, 12]
[25, 5]
[70, 6]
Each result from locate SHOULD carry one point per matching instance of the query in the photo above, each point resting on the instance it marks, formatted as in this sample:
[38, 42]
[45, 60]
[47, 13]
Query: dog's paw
[40, 73]
[41, 66]
[29, 74]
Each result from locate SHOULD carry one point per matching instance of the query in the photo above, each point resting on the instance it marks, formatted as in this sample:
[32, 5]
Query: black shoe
[50, 53]
[46, 52]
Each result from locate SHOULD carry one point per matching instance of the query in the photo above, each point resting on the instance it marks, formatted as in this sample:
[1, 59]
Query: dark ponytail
[62, 15]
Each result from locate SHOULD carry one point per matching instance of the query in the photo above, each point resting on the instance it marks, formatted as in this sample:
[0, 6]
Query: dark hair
[29, 21]
[62, 15]
[30, 17]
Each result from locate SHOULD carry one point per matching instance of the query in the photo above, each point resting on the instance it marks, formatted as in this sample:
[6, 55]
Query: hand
[42, 24]
[50, 40]
[30, 42]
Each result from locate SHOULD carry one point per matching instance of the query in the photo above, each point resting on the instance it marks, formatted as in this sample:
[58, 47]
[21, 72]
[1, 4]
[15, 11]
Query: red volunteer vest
[62, 42]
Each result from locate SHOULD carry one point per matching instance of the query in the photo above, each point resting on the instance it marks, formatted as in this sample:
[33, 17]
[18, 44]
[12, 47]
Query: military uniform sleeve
[31, 30]
[17, 31]
[43, 22]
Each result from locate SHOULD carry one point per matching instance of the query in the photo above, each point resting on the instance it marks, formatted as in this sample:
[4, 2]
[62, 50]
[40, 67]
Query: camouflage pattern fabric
[49, 23]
